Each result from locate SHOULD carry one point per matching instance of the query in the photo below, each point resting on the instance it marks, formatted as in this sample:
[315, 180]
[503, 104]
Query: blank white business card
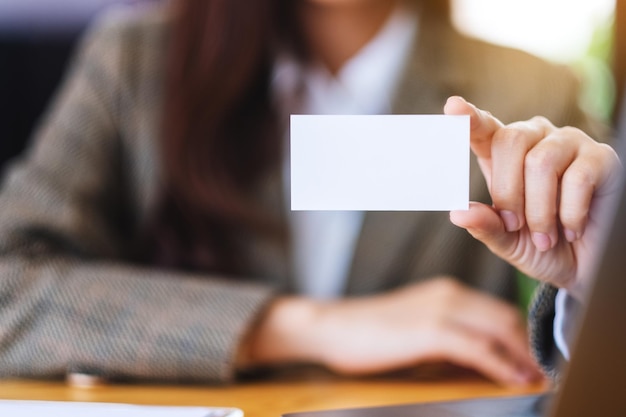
[379, 162]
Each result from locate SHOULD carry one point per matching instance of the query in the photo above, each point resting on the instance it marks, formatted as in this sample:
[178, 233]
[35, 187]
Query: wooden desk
[271, 398]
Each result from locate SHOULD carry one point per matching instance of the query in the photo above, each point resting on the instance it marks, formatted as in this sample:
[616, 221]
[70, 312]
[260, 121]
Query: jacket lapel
[430, 78]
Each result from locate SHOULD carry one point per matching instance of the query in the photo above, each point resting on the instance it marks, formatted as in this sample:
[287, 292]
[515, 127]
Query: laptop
[594, 381]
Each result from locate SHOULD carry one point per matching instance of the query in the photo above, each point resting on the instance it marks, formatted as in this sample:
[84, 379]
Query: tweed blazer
[73, 204]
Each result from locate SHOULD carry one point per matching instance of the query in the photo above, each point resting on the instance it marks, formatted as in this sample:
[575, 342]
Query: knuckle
[510, 135]
[579, 178]
[447, 287]
[539, 161]
[540, 120]
[607, 155]
[570, 131]
[445, 293]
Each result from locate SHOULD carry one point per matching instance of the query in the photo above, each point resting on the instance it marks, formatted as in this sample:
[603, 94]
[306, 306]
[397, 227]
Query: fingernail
[511, 222]
[570, 235]
[542, 241]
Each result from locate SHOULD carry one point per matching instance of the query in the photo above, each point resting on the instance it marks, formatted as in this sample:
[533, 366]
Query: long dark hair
[219, 133]
[220, 129]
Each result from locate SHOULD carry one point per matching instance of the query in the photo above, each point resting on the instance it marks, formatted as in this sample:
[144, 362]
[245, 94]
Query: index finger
[482, 124]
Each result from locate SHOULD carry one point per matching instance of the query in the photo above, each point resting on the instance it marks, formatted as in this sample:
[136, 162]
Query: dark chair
[35, 47]
[31, 69]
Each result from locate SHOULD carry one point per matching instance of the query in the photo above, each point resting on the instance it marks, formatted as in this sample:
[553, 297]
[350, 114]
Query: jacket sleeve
[541, 329]
[68, 301]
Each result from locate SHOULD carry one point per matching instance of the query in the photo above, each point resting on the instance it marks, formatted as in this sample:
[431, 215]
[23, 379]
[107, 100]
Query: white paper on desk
[379, 162]
[82, 409]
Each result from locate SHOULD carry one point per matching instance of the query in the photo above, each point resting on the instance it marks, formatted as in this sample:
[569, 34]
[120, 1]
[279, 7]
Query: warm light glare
[559, 30]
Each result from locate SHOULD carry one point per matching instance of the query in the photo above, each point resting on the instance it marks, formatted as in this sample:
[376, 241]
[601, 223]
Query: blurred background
[38, 36]
[573, 32]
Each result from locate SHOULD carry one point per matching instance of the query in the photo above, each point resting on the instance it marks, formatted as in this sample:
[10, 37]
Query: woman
[145, 234]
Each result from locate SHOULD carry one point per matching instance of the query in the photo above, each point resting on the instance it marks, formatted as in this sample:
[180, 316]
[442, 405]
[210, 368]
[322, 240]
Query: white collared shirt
[565, 319]
[324, 241]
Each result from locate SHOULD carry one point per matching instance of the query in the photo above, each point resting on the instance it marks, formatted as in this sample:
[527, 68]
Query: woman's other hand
[438, 320]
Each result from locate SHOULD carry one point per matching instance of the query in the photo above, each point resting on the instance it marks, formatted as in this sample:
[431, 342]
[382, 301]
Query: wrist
[285, 333]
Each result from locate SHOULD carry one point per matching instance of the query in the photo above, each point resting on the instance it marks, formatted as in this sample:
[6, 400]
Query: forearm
[286, 332]
[437, 320]
[59, 314]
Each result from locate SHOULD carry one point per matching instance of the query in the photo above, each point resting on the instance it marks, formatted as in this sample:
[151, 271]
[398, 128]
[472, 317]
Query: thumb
[484, 224]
